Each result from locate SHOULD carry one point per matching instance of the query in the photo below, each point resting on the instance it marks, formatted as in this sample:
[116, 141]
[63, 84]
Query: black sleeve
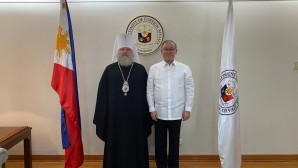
[147, 118]
[100, 114]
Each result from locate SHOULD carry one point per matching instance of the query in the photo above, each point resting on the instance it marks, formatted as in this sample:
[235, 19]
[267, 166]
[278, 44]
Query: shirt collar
[165, 63]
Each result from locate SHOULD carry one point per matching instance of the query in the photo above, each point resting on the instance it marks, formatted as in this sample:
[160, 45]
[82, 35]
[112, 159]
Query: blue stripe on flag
[73, 58]
[65, 140]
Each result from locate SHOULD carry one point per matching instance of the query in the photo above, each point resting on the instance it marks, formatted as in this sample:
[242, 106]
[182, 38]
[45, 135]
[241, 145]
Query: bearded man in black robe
[122, 116]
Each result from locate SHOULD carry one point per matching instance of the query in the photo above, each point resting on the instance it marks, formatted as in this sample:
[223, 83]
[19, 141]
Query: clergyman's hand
[185, 115]
[154, 115]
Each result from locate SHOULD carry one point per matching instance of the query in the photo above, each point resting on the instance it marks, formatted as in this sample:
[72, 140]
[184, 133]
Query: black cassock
[123, 122]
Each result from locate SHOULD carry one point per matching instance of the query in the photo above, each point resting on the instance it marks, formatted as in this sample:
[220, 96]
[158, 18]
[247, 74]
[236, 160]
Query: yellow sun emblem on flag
[229, 91]
[62, 42]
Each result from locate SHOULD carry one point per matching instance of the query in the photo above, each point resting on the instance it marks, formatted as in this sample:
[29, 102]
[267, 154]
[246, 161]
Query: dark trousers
[162, 127]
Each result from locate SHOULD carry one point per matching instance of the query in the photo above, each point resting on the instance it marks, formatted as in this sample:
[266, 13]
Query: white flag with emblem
[229, 147]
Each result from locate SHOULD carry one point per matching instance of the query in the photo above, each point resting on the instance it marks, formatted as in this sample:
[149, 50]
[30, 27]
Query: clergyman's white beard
[125, 61]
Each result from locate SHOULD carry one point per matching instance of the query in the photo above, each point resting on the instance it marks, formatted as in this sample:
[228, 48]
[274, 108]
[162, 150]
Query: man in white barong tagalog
[170, 94]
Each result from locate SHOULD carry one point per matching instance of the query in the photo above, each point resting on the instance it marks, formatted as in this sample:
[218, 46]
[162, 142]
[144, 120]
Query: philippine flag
[64, 82]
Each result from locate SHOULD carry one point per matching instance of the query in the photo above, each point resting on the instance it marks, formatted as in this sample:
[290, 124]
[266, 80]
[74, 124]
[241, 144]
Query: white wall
[267, 45]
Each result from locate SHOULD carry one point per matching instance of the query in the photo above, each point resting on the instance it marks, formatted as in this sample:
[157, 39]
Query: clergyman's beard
[125, 61]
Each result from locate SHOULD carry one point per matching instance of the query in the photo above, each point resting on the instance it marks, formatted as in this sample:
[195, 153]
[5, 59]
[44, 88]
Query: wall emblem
[147, 32]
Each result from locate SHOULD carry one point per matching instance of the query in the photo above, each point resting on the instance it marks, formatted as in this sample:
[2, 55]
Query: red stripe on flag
[64, 84]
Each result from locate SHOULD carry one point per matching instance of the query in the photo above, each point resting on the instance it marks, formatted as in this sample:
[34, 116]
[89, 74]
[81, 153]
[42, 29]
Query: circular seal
[229, 99]
[147, 32]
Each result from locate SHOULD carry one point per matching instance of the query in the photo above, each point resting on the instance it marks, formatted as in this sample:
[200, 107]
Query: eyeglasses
[168, 49]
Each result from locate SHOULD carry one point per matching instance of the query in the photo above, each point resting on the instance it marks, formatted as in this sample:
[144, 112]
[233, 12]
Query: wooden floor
[191, 164]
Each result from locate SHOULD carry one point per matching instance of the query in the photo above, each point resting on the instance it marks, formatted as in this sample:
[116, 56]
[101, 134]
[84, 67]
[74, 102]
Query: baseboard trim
[188, 158]
[269, 158]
